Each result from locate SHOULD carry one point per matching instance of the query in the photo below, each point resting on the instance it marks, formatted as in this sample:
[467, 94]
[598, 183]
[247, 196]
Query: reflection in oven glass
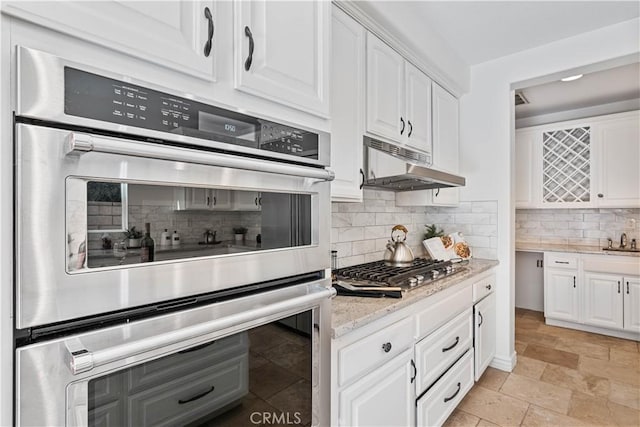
[257, 377]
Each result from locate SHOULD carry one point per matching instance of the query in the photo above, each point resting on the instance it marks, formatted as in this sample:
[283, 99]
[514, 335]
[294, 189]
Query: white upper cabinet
[446, 138]
[385, 90]
[418, 109]
[347, 106]
[180, 35]
[282, 50]
[619, 157]
[584, 163]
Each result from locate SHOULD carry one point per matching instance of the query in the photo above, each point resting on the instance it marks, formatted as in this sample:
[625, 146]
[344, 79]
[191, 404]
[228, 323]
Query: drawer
[559, 260]
[164, 369]
[442, 348]
[439, 313]
[191, 397]
[484, 287]
[438, 403]
[372, 351]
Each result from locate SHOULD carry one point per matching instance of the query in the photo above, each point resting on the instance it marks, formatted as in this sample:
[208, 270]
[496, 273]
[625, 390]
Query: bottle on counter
[147, 246]
[165, 238]
[175, 239]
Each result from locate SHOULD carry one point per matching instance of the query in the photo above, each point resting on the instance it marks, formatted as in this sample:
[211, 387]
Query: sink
[621, 249]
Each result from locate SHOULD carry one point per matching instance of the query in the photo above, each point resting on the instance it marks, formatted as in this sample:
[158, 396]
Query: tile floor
[563, 378]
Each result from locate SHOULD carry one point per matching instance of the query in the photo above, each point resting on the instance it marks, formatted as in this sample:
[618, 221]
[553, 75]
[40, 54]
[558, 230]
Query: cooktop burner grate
[379, 272]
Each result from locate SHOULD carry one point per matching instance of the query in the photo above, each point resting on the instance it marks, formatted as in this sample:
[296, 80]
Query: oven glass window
[188, 223]
[257, 377]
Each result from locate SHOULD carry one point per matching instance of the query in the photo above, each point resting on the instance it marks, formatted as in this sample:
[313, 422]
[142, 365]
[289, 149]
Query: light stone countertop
[548, 247]
[349, 313]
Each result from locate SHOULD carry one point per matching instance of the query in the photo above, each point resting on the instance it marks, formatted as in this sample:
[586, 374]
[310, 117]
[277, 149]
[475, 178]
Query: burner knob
[420, 278]
[412, 282]
[434, 274]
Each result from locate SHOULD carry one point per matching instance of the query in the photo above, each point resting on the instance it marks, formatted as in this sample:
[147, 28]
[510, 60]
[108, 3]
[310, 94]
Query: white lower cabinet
[603, 300]
[439, 402]
[632, 304]
[382, 398]
[561, 292]
[413, 366]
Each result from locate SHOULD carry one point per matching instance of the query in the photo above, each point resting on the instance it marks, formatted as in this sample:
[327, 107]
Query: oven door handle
[79, 143]
[82, 360]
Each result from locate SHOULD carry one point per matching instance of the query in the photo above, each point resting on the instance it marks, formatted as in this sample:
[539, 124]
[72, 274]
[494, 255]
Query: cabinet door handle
[386, 347]
[481, 318]
[247, 63]
[256, 201]
[600, 195]
[260, 201]
[196, 397]
[627, 288]
[208, 200]
[488, 287]
[574, 281]
[437, 192]
[208, 44]
[618, 286]
[215, 201]
[446, 399]
[415, 371]
[410, 128]
[444, 350]
[561, 262]
[362, 180]
[402, 121]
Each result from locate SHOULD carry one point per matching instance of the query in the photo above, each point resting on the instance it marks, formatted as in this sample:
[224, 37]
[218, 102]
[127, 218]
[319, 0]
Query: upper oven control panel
[101, 98]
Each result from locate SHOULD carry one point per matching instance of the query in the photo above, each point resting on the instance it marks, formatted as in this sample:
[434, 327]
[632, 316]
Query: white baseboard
[595, 329]
[504, 363]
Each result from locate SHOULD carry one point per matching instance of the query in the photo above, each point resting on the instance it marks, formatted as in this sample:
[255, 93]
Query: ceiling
[594, 89]
[479, 31]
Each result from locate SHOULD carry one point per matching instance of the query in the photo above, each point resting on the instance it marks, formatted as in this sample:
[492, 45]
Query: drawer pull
[386, 347]
[196, 348]
[627, 288]
[415, 371]
[446, 399]
[618, 286]
[481, 318]
[488, 287]
[444, 350]
[561, 262]
[200, 396]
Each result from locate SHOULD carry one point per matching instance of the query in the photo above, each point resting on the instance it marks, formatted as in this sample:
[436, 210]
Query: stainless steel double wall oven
[229, 322]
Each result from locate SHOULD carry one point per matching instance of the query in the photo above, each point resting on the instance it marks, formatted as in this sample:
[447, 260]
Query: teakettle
[209, 237]
[398, 254]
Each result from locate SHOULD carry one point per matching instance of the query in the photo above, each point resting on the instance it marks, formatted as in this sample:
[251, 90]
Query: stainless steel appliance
[377, 277]
[97, 328]
[398, 168]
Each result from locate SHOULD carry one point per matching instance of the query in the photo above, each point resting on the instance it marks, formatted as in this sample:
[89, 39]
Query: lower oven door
[218, 221]
[230, 363]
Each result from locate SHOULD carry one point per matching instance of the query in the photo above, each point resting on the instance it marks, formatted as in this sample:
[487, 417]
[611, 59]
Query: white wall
[487, 140]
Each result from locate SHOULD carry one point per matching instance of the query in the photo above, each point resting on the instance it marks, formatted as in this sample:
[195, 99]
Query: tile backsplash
[589, 227]
[360, 231]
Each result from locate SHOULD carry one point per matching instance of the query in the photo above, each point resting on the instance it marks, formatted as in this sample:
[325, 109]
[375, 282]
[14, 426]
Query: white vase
[239, 238]
[134, 243]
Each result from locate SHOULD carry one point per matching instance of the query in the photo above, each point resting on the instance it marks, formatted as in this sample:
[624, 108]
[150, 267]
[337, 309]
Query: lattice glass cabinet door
[566, 166]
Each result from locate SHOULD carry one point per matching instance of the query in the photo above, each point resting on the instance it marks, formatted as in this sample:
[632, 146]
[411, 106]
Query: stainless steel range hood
[396, 168]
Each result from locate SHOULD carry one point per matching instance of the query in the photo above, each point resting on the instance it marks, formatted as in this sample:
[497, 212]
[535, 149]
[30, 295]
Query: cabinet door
[418, 110]
[198, 198]
[619, 152]
[282, 52]
[484, 333]
[246, 201]
[383, 398]
[561, 294]
[385, 91]
[527, 174]
[171, 34]
[603, 300]
[221, 200]
[347, 106]
[632, 304]
[446, 138]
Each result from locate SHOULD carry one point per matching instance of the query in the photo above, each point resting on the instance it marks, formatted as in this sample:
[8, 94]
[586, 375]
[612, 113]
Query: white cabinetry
[171, 34]
[203, 199]
[561, 293]
[347, 106]
[246, 201]
[596, 293]
[382, 398]
[398, 97]
[582, 163]
[282, 50]
[484, 324]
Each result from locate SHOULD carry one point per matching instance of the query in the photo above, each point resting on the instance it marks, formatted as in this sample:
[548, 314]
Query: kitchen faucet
[623, 240]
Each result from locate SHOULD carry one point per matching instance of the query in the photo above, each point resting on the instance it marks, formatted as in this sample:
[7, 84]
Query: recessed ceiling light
[571, 78]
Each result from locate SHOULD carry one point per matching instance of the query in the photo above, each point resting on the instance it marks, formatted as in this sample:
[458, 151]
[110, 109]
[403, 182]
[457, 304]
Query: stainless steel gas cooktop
[377, 274]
